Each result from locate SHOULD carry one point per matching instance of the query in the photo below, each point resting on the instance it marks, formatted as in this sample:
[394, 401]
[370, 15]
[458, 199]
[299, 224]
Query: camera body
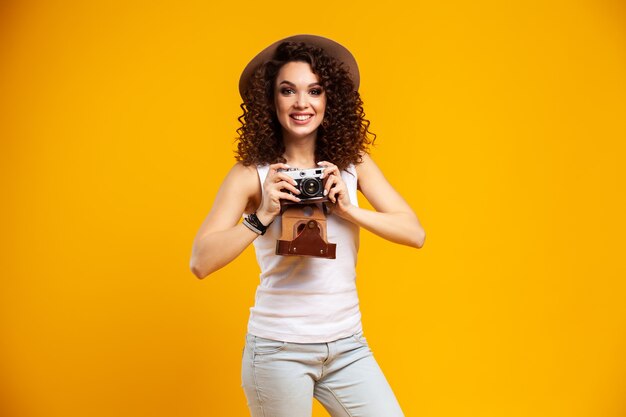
[309, 182]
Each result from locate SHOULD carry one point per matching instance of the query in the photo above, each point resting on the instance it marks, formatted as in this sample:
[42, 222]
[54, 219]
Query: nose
[301, 100]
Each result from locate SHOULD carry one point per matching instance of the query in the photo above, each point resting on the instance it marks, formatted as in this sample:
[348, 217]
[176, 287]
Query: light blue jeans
[280, 379]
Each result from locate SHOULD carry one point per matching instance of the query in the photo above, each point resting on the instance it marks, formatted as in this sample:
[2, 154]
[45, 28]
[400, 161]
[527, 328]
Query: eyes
[288, 90]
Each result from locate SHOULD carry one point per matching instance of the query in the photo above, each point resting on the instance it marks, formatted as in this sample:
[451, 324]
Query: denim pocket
[264, 346]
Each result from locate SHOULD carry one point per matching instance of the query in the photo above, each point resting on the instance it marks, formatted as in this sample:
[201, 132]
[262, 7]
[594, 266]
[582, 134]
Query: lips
[301, 118]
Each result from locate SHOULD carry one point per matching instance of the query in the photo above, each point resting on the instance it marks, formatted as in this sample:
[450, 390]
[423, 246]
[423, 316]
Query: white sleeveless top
[305, 299]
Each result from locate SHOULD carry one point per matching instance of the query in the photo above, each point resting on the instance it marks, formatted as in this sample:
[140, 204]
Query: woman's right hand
[274, 188]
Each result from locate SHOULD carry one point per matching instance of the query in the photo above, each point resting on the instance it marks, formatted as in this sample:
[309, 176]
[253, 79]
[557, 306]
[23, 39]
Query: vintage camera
[309, 182]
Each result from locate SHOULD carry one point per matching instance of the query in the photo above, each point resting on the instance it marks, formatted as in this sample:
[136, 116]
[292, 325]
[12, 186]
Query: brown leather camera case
[304, 233]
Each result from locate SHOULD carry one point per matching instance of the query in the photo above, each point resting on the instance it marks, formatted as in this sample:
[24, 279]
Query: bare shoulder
[245, 176]
[243, 181]
[376, 189]
[242, 172]
[367, 168]
[238, 191]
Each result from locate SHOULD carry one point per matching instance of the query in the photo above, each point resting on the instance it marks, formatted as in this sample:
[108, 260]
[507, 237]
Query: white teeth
[302, 117]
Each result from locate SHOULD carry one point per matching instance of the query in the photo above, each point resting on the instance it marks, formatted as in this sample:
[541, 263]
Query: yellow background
[502, 123]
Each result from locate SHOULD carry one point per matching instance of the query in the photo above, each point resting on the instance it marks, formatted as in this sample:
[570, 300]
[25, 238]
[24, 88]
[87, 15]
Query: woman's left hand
[336, 189]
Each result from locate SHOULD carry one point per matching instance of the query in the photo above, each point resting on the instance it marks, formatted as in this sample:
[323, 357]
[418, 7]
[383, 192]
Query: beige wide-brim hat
[329, 46]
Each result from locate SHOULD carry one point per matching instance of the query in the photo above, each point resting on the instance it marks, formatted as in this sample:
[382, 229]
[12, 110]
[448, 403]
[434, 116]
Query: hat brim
[329, 46]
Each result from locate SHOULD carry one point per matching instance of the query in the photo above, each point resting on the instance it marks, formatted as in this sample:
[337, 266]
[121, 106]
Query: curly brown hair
[343, 135]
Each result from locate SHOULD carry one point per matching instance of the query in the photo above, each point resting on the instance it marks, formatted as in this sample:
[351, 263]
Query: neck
[300, 152]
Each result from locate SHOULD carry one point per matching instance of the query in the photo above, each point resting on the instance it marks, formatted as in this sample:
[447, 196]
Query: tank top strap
[262, 170]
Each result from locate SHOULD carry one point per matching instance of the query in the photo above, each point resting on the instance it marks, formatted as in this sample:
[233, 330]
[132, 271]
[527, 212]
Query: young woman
[302, 110]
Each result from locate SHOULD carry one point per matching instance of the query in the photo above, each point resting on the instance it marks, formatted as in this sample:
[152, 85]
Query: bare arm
[220, 238]
[393, 219]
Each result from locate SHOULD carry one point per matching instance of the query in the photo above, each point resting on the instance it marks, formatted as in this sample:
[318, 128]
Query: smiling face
[300, 101]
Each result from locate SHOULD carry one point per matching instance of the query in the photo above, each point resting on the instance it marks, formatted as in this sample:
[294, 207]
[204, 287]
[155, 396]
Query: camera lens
[311, 187]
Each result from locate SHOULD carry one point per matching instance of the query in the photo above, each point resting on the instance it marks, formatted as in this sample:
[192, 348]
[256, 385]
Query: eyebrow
[293, 85]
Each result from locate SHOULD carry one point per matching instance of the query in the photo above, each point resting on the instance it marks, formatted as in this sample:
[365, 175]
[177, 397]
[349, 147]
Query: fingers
[335, 193]
[333, 186]
[286, 196]
[278, 186]
[282, 185]
[272, 197]
[276, 180]
[329, 169]
[281, 176]
[277, 166]
[275, 176]
[331, 181]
